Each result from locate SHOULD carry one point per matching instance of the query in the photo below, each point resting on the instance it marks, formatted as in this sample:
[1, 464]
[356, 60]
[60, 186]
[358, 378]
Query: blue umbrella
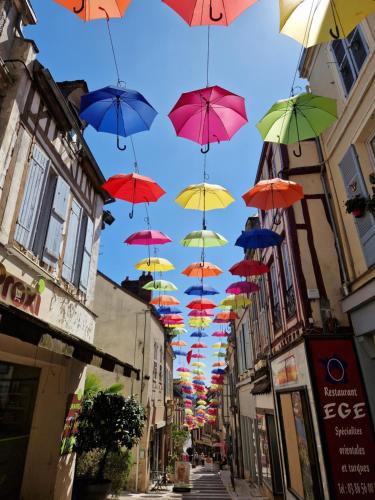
[189, 396]
[168, 310]
[117, 110]
[199, 334]
[201, 290]
[178, 352]
[218, 371]
[198, 382]
[258, 238]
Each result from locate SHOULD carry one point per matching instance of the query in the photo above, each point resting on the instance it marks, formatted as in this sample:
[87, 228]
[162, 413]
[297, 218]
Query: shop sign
[71, 423]
[290, 368]
[18, 293]
[182, 475]
[344, 418]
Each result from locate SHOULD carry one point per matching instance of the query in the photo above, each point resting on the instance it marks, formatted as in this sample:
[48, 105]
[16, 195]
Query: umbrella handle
[298, 154]
[205, 151]
[121, 148]
[219, 18]
[131, 214]
[80, 9]
[335, 34]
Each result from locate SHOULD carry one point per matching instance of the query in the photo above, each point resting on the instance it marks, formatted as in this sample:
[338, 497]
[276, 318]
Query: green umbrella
[203, 239]
[219, 354]
[160, 285]
[300, 117]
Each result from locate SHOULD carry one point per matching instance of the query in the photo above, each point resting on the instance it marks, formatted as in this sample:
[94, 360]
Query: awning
[18, 324]
[262, 386]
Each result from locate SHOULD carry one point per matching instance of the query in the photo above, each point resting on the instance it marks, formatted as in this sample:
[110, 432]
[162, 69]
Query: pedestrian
[196, 458]
[202, 457]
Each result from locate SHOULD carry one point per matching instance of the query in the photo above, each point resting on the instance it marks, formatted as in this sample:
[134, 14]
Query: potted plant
[356, 206]
[108, 424]
[370, 204]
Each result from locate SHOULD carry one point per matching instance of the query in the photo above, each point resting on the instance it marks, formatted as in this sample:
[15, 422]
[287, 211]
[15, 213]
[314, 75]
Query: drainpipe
[346, 282]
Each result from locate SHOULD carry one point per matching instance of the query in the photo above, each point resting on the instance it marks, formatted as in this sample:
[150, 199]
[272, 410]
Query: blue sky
[161, 56]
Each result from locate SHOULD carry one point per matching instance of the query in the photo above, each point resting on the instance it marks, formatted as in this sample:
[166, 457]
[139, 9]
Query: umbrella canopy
[178, 352]
[199, 334]
[117, 110]
[154, 264]
[273, 193]
[258, 238]
[198, 355]
[179, 331]
[196, 313]
[172, 317]
[200, 290]
[183, 369]
[249, 268]
[202, 270]
[199, 322]
[300, 117]
[148, 237]
[201, 304]
[207, 115]
[204, 197]
[227, 315]
[218, 363]
[220, 334]
[165, 300]
[221, 321]
[203, 239]
[206, 12]
[242, 287]
[162, 310]
[93, 9]
[163, 285]
[199, 345]
[218, 354]
[134, 188]
[179, 343]
[218, 371]
[220, 345]
[198, 363]
[235, 301]
[311, 22]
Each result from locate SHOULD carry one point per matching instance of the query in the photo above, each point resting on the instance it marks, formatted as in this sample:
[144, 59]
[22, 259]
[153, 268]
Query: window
[155, 370]
[248, 358]
[354, 184]
[161, 365]
[42, 217]
[289, 289]
[275, 297]
[350, 54]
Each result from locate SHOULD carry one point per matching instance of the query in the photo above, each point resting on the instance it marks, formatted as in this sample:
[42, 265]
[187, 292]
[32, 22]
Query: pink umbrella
[207, 115]
[220, 334]
[148, 237]
[195, 313]
[183, 369]
[242, 287]
[198, 355]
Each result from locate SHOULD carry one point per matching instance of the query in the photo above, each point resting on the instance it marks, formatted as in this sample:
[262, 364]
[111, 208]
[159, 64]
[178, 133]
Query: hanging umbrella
[258, 238]
[93, 9]
[198, 382]
[162, 285]
[178, 352]
[203, 239]
[154, 264]
[218, 363]
[220, 321]
[219, 345]
[183, 369]
[273, 193]
[227, 315]
[311, 22]
[220, 334]
[235, 301]
[164, 300]
[218, 355]
[196, 313]
[204, 197]
[179, 343]
[218, 371]
[148, 237]
[199, 345]
[206, 12]
[200, 322]
[298, 118]
[172, 318]
[242, 287]
[162, 310]
[201, 290]
[201, 304]
[179, 331]
[207, 115]
[249, 268]
[134, 188]
[202, 270]
[198, 355]
[199, 334]
[117, 110]
[198, 363]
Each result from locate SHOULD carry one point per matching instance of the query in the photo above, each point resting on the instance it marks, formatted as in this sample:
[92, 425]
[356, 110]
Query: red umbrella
[199, 345]
[249, 268]
[201, 304]
[220, 334]
[203, 313]
[207, 115]
[206, 12]
[134, 188]
[242, 287]
[273, 193]
[148, 237]
[168, 318]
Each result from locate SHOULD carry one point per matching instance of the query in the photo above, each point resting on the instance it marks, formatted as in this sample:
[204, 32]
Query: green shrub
[117, 470]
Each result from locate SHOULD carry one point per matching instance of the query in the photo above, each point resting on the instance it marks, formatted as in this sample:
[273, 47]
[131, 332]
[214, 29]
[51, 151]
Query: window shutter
[72, 242]
[31, 198]
[354, 184]
[248, 348]
[56, 223]
[85, 270]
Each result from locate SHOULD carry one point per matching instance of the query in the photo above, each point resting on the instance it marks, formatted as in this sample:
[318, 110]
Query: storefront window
[264, 450]
[295, 432]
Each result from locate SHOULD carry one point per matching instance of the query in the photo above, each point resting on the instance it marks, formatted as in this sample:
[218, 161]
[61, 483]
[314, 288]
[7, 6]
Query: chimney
[136, 286]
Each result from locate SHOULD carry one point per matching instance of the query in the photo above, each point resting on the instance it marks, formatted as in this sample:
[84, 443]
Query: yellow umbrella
[311, 22]
[154, 264]
[198, 363]
[220, 345]
[235, 301]
[204, 197]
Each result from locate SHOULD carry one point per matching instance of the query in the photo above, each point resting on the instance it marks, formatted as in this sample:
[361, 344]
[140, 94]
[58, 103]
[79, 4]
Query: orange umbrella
[165, 300]
[95, 9]
[218, 363]
[273, 193]
[227, 315]
[202, 270]
[179, 343]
